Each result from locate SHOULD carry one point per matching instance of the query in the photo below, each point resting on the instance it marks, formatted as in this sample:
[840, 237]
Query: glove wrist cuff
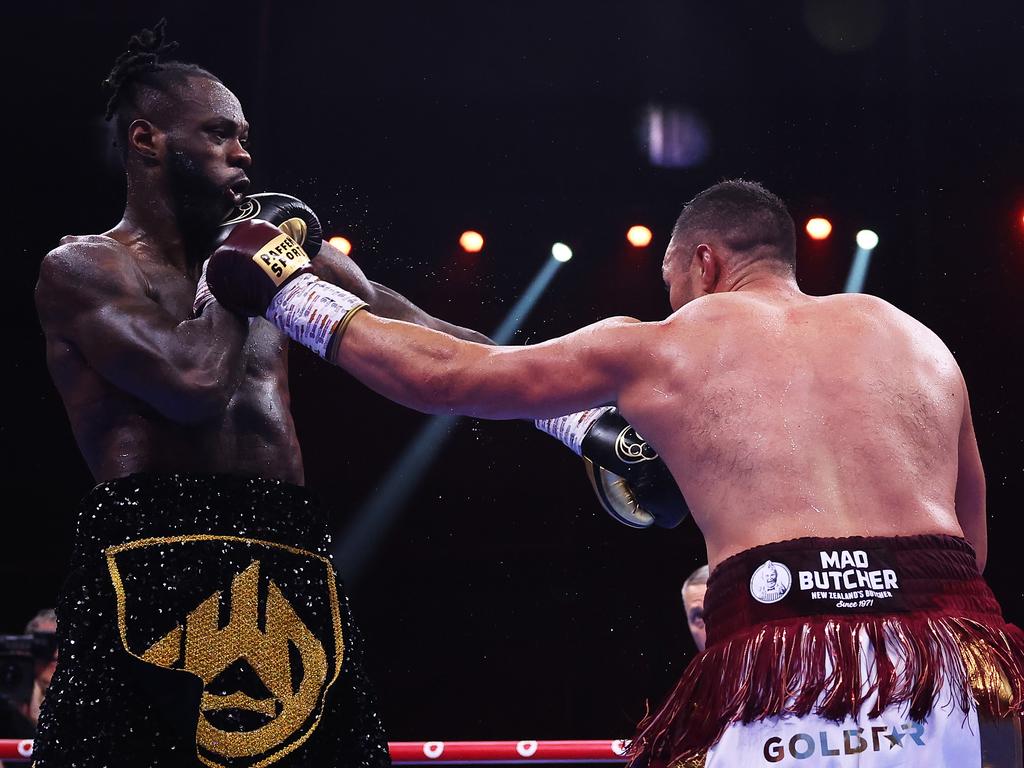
[571, 429]
[312, 312]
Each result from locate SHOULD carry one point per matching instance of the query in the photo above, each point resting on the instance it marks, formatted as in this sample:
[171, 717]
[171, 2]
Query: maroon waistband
[857, 576]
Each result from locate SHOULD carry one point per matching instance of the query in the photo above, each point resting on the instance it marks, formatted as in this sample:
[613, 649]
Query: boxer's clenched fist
[630, 479]
[261, 271]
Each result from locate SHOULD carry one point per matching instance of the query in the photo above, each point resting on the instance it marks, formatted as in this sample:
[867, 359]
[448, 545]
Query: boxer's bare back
[785, 415]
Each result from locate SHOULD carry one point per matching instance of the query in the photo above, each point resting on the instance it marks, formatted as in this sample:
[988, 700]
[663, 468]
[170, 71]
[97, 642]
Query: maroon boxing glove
[252, 264]
[261, 271]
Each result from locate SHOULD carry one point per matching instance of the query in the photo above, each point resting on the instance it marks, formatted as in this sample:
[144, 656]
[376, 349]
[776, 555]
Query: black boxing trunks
[202, 624]
[869, 650]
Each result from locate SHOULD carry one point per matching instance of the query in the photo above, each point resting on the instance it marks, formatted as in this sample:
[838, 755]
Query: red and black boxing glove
[255, 260]
[290, 214]
[261, 271]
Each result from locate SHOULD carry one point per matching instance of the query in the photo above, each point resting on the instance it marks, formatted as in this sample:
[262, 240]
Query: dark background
[504, 603]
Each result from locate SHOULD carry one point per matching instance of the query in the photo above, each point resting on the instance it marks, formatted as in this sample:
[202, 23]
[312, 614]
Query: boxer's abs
[836, 416]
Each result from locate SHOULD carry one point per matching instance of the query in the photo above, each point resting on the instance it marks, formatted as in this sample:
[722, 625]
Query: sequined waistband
[165, 505]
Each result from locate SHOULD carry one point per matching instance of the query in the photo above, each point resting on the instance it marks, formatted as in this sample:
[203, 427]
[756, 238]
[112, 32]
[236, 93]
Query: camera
[18, 657]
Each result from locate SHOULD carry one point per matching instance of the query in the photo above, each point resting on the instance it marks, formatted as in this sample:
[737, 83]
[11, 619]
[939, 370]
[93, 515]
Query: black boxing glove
[289, 213]
[261, 271]
[631, 481]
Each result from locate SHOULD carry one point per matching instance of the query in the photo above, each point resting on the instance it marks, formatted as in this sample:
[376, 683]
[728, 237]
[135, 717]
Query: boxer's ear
[145, 140]
[709, 268]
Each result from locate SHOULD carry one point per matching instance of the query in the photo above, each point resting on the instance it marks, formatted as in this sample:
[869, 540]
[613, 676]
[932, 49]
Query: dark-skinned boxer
[826, 448]
[202, 622]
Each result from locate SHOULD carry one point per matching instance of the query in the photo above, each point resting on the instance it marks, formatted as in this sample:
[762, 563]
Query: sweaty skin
[147, 387]
[780, 414]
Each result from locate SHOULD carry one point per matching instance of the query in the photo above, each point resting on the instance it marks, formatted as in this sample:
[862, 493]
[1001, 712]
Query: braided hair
[142, 68]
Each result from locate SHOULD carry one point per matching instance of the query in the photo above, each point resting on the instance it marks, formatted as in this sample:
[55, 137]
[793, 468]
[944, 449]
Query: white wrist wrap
[203, 294]
[573, 428]
[310, 311]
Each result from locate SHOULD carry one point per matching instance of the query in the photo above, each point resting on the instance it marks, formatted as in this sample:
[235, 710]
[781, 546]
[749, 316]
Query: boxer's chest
[265, 346]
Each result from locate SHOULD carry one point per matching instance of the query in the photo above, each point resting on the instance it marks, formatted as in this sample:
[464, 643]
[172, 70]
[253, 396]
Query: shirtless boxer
[826, 449]
[181, 410]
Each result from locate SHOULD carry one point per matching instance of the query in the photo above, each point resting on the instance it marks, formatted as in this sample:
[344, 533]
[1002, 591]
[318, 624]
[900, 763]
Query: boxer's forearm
[409, 364]
[91, 298]
[433, 372]
[210, 366]
[187, 373]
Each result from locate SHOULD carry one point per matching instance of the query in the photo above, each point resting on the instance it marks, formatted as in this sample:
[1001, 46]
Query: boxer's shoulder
[857, 303]
[84, 266]
[881, 316]
[76, 254]
[83, 255]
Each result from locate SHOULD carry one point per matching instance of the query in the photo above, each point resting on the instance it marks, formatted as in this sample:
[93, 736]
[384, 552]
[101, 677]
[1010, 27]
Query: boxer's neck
[760, 280]
[151, 220]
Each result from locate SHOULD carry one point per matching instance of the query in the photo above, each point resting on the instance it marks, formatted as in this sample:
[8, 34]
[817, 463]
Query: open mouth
[236, 190]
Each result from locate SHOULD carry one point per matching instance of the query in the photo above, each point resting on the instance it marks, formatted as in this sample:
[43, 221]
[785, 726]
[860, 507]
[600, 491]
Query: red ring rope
[428, 752]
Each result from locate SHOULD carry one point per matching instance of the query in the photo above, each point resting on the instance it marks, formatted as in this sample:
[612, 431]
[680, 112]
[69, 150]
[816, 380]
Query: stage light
[674, 136]
[819, 228]
[867, 240]
[561, 252]
[471, 242]
[342, 244]
[639, 236]
[866, 243]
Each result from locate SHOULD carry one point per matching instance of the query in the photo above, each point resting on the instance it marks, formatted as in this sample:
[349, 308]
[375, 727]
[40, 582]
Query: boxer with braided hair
[181, 410]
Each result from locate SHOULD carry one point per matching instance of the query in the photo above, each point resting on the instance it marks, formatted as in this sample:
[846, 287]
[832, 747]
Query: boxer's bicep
[970, 486]
[93, 298]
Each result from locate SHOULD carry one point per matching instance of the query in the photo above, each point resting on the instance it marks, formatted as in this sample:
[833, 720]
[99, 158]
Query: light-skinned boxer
[826, 449]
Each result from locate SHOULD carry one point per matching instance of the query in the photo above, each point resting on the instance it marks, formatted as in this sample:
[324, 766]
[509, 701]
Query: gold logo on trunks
[632, 449]
[258, 623]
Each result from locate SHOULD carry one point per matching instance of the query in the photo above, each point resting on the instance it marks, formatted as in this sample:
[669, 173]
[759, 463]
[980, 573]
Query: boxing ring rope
[452, 752]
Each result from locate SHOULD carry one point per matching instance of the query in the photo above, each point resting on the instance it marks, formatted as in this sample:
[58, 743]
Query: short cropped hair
[745, 217]
[697, 578]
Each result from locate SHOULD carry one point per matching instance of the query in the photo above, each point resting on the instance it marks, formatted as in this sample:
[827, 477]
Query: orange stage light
[342, 244]
[819, 228]
[471, 242]
[639, 236]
